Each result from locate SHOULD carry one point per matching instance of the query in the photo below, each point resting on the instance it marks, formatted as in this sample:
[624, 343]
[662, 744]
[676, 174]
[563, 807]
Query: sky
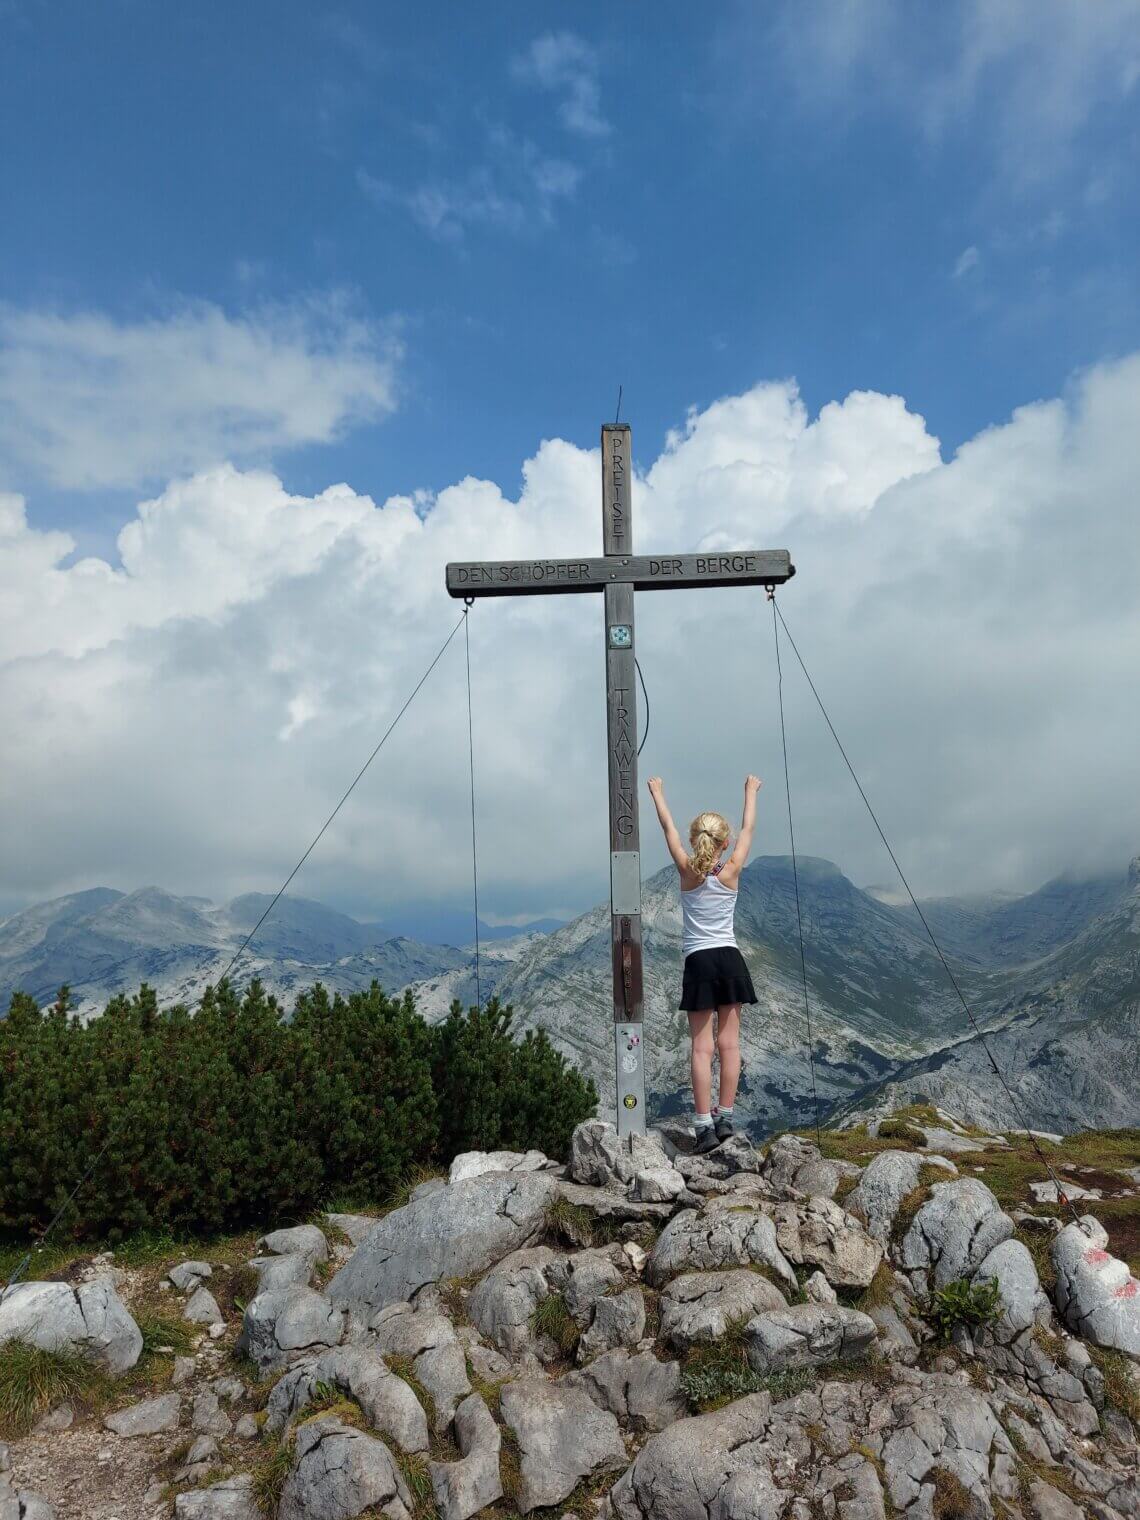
[298, 303]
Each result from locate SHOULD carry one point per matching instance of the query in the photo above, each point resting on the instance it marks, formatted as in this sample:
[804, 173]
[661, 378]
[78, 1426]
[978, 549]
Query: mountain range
[1052, 979]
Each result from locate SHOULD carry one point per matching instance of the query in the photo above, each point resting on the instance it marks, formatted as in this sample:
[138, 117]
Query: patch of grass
[32, 1382]
[510, 1470]
[845, 1186]
[583, 1501]
[570, 1223]
[453, 1293]
[1120, 1387]
[336, 1404]
[952, 1498]
[404, 1367]
[963, 1302]
[878, 1291]
[414, 1467]
[164, 1334]
[401, 1194]
[269, 1472]
[1039, 1245]
[553, 1319]
[1056, 1477]
[907, 1209]
[490, 1393]
[898, 1129]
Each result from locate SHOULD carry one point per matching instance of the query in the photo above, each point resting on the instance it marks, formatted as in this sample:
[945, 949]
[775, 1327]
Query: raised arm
[668, 827]
[736, 861]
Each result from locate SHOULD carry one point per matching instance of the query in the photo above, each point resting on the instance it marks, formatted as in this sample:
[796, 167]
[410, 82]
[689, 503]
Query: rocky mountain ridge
[641, 1334]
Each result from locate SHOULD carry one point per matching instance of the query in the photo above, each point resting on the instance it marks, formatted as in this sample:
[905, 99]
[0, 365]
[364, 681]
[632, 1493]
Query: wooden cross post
[619, 574]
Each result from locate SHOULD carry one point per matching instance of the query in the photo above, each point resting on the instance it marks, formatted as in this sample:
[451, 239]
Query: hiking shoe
[722, 1124]
[707, 1140]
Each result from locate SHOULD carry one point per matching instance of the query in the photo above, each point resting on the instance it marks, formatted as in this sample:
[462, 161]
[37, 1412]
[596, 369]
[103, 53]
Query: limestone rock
[1022, 1298]
[429, 1338]
[697, 1307]
[658, 1184]
[562, 1438]
[886, 1181]
[939, 1423]
[457, 1232]
[89, 1319]
[341, 1472]
[277, 1272]
[502, 1303]
[202, 1308]
[208, 1416]
[818, 1233]
[600, 1157]
[355, 1226]
[388, 1403]
[231, 1499]
[895, 1340]
[795, 1163]
[298, 1240]
[619, 1320]
[703, 1468]
[188, 1274]
[280, 1325]
[714, 1239]
[818, 1290]
[585, 1278]
[955, 1230]
[641, 1391]
[147, 1418]
[807, 1335]
[1096, 1294]
[24, 1505]
[476, 1163]
[463, 1488]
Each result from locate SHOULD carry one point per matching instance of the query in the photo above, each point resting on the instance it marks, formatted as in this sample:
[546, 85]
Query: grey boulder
[703, 1467]
[955, 1230]
[717, 1238]
[698, 1307]
[89, 1320]
[818, 1233]
[202, 1308]
[277, 1272]
[476, 1163]
[807, 1335]
[463, 1488]
[886, 1181]
[585, 1278]
[231, 1499]
[792, 1162]
[429, 1339]
[1096, 1294]
[619, 1320]
[459, 1231]
[148, 1418]
[501, 1304]
[818, 1290]
[562, 1438]
[658, 1184]
[341, 1472]
[1023, 1300]
[299, 1240]
[279, 1326]
[598, 1156]
[388, 1403]
[188, 1274]
[641, 1391]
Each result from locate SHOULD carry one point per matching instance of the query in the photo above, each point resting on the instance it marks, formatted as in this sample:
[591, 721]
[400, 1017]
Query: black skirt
[713, 978]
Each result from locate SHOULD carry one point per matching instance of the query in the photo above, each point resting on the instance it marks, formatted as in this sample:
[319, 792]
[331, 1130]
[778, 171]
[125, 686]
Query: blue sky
[400, 246]
[743, 194]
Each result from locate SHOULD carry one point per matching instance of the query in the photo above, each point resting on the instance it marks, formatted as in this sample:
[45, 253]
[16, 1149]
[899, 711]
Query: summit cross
[618, 575]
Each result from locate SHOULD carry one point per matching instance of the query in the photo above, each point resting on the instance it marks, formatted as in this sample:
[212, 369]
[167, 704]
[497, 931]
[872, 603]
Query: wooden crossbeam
[644, 572]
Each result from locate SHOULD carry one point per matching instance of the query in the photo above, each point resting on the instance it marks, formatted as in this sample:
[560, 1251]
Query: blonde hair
[708, 835]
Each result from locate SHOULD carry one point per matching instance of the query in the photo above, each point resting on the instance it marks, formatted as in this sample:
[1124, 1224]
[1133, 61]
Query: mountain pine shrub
[236, 1114]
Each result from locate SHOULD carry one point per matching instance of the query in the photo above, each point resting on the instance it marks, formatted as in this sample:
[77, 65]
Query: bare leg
[701, 1030]
[728, 1049]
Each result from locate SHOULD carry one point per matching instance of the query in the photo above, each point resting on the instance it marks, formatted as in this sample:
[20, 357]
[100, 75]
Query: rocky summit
[638, 1334]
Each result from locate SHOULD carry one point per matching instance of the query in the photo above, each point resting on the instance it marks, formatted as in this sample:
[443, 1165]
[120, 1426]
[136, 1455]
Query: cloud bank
[190, 715]
[88, 402]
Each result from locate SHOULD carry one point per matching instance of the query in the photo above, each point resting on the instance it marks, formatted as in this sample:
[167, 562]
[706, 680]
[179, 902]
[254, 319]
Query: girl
[716, 979]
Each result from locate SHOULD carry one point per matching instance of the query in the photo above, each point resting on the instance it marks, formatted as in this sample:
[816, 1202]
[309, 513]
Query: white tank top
[707, 915]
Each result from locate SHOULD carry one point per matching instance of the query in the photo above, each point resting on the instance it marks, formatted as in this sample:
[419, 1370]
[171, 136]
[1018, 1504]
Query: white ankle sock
[702, 1121]
[723, 1112]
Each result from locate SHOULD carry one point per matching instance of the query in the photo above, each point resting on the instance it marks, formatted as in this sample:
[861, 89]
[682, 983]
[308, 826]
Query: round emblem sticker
[629, 1100]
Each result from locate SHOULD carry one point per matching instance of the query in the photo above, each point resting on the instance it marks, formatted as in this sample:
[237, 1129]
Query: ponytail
[708, 835]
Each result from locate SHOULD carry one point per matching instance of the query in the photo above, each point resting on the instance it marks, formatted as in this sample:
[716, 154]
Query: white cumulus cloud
[190, 715]
[90, 401]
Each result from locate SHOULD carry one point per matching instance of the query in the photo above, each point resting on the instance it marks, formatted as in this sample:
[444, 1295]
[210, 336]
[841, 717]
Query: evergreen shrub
[236, 1114]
